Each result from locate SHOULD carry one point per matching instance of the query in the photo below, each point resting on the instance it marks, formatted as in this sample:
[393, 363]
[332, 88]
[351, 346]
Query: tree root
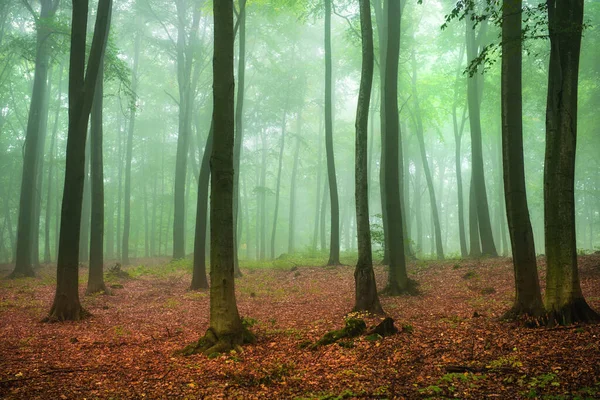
[97, 288]
[528, 317]
[576, 311]
[411, 289]
[211, 343]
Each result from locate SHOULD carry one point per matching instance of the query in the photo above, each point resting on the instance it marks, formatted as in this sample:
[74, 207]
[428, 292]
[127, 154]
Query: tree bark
[278, 184]
[292, 213]
[565, 303]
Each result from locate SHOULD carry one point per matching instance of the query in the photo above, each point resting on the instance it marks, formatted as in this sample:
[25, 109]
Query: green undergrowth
[299, 259]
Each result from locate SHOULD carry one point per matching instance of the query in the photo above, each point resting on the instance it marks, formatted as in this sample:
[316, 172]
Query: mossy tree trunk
[565, 303]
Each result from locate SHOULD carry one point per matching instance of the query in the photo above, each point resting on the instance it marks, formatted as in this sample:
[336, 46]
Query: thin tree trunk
[51, 161]
[278, 184]
[318, 196]
[478, 178]
[292, 215]
[365, 288]
[129, 152]
[334, 243]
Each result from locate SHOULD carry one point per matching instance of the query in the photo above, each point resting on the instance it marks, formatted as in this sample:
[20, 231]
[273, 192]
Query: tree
[199, 280]
[226, 330]
[474, 94]
[334, 244]
[565, 303]
[398, 281]
[528, 298]
[278, 184]
[365, 288]
[33, 140]
[129, 153]
[428, 177]
[96, 267]
[82, 84]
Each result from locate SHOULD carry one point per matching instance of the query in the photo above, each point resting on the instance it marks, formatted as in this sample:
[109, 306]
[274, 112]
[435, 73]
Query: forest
[299, 199]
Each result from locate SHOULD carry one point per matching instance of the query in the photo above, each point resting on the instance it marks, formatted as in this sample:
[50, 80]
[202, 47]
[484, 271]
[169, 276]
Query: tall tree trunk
[417, 205]
[278, 184]
[96, 268]
[263, 197]
[120, 182]
[334, 243]
[84, 242]
[129, 152]
[564, 300]
[51, 160]
[381, 12]
[31, 158]
[292, 214]
[474, 243]
[397, 278]
[528, 298]
[82, 84]
[199, 280]
[365, 288]
[226, 330]
[184, 50]
[428, 177]
[239, 126]
[322, 222]
[458, 133]
[318, 196]
[478, 178]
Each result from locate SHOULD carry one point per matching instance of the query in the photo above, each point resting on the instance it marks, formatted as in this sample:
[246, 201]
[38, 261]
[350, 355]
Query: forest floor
[125, 349]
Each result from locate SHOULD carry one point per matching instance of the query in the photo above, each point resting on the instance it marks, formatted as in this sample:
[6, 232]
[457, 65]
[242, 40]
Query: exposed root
[411, 289]
[577, 311]
[66, 314]
[97, 288]
[354, 327]
[211, 343]
[529, 317]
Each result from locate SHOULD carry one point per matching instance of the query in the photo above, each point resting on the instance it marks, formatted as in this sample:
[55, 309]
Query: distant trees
[27, 228]
[82, 85]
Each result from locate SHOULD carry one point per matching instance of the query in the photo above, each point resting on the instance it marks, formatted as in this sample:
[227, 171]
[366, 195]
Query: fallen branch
[466, 368]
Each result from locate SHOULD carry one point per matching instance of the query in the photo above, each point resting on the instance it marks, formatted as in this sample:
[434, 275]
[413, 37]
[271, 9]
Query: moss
[354, 327]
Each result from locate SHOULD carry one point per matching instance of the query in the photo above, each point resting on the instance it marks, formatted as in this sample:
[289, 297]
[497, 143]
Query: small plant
[470, 275]
[488, 290]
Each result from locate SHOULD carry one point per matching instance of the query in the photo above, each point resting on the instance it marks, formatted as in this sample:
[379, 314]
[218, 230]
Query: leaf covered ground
[125, 350]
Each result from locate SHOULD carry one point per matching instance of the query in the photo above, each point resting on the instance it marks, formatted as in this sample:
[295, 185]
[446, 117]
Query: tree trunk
[226, 330]
[318, 196]
[96, 267]
[51, 161]
[365, 288]
[239, 126]
[428, 177]
[474, 243]
[564, 300]
[292, 214]
[278, 184]
[322, 221]
[199, 280]
[263, 197]
[82, 84]
[31, 157]
[84, 242]
[397, 278]
[478, 179]
[334, 243]
[528, 298]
